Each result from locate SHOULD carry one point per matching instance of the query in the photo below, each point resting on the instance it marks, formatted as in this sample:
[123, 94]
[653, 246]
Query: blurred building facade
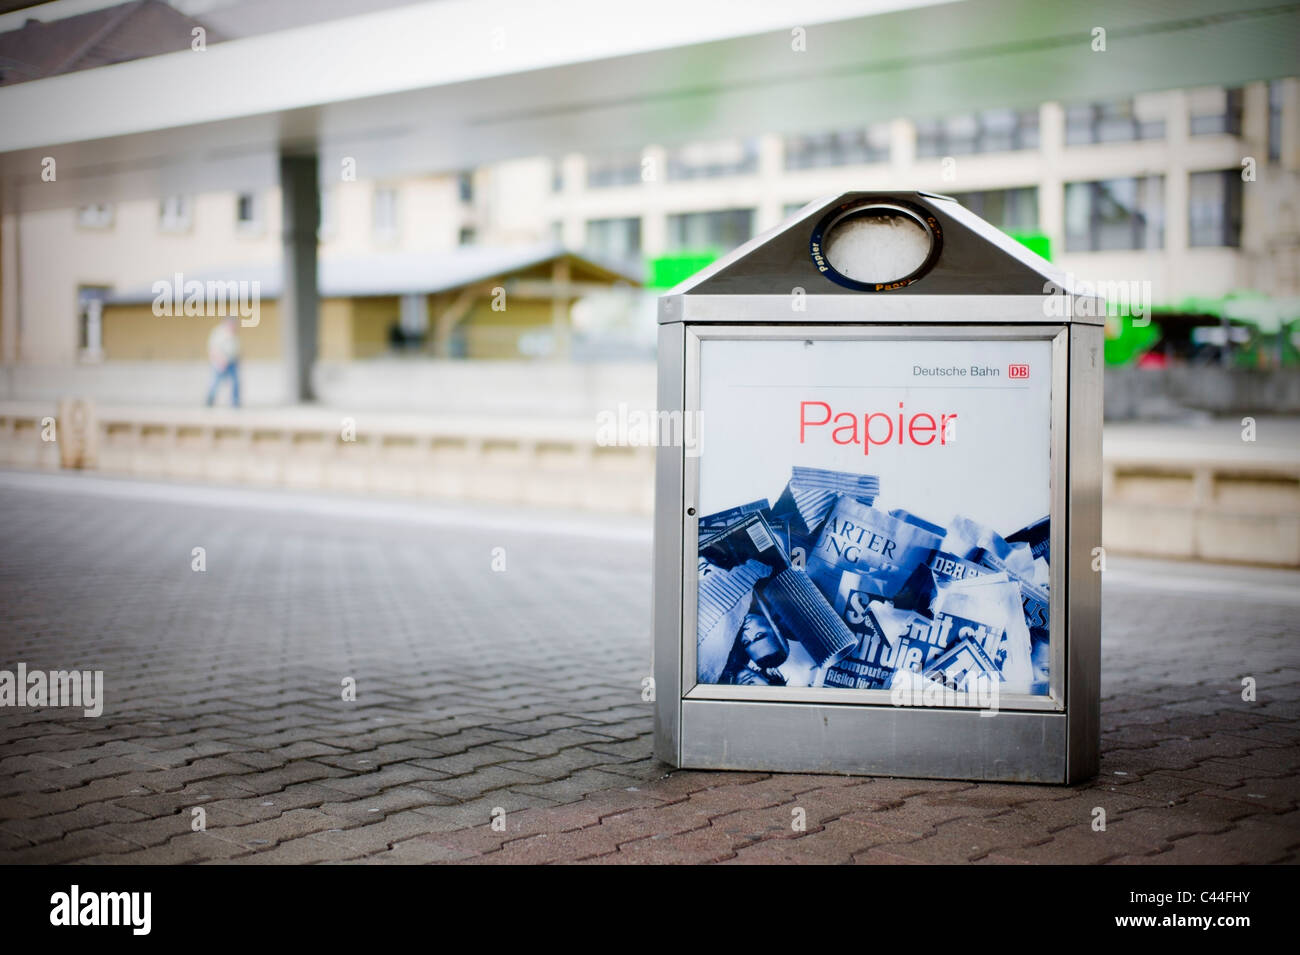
[1194, 191]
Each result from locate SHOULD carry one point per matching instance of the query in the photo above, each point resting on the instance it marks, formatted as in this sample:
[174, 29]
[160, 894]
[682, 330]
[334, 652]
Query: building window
[711, 160]
[465, 186]
[384, 212]
[1215, 111]
[248, 212]
[1011, 210]
[1118, 121]
[1214, 209]
[1275, 121]
[604, 172]
[557, 176]
[722, 230]
[90, 321]
[846, 148]
[175, 214]
[468, 235]
[97, 215]
[1115, 214]
[989, 131]
[615, 240]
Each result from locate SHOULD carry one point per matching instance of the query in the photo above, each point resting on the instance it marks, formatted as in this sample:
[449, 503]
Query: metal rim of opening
[874, 207]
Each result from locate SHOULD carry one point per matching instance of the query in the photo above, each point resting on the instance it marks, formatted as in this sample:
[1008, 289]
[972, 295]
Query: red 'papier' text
[878, 428]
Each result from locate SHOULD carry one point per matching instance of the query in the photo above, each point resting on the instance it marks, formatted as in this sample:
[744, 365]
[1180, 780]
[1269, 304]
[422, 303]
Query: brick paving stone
[1222, 774]
[558, 765]
[837, 842]
[420, 850]
[467, 760]
[645, 770]
[571, 787]
[878, 856]
[293, 823]
[1080, 844]
[1248, 842]
[254, 808]
[366, 783]
[1274, 793]
[960, 840]
[1199, 815]
[1281, 760]
[58, 824]
[368, 808]
[655, 821]
[148, 832]
[77, 845]
[302, 850]
[694, 847]
[545, 848]
[1286, 820]
[490, 778]
[911, 819]
[1048, 816]
[553, 741]
[376, 836]
[477, 812]
[1153, 787]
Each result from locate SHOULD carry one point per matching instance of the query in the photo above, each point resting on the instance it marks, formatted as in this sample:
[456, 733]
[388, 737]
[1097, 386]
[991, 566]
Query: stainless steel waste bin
[878, 558]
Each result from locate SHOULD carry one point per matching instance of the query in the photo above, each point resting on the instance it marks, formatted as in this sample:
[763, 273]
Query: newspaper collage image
[823, 589]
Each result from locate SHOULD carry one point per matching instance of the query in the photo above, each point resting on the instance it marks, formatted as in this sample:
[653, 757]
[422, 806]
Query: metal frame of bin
[1052, 739]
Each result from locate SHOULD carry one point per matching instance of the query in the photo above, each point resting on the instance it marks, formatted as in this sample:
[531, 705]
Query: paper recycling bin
[877, 556]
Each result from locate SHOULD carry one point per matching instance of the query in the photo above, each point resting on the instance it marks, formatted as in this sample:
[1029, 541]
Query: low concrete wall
[1203, 510]
[1135, 393]
[549, 463]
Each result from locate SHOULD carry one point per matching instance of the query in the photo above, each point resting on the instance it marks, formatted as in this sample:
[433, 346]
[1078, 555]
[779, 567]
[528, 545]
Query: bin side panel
[666, 601]
[1083, 669]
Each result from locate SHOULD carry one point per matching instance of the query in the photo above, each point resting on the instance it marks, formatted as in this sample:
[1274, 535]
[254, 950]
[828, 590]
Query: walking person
[223, 353]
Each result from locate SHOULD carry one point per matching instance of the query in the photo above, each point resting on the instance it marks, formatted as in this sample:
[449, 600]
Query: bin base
[876, 741]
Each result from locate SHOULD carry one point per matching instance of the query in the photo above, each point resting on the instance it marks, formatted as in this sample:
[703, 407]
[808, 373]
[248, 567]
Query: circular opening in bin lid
[875, 246]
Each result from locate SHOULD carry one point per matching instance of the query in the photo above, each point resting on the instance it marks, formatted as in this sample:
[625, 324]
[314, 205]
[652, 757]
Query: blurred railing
[541, 463]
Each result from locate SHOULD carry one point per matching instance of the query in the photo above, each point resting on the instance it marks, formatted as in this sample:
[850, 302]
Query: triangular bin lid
[968, 256]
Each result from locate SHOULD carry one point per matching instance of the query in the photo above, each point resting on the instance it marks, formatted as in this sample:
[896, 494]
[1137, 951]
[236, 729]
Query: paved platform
[515, 694]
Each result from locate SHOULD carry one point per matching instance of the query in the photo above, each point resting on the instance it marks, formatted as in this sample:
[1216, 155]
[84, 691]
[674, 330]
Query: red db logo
[1017, 371]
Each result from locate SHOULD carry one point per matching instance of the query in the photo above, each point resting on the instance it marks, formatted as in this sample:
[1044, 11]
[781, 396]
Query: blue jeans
[231, 371]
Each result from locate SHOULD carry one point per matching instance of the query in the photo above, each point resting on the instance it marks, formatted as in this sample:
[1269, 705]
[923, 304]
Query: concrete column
[6, 335]
[573, 227]
[9, 302]
[654, 221]
[902, 153]
[299, 312]
[1291, 124]
[1051, 187]
[560, 302]
[771, 171]
[1177, 140]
